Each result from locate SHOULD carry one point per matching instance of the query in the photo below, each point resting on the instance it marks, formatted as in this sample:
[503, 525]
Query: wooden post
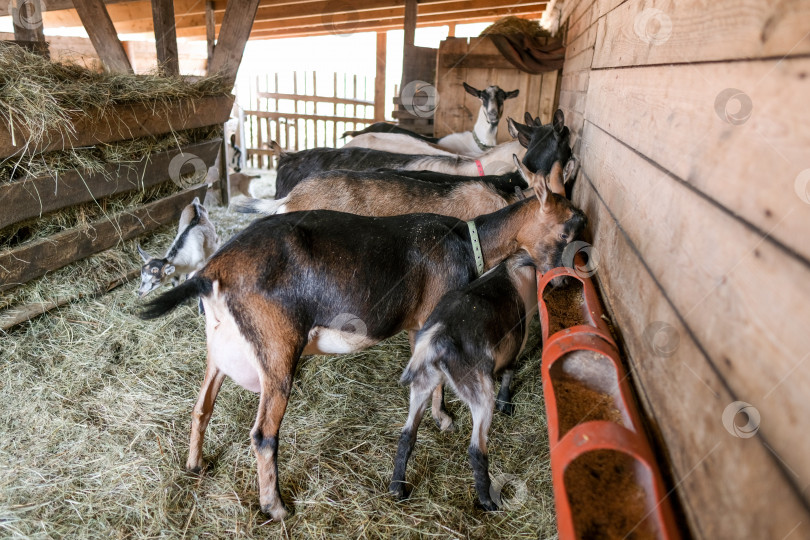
[103, 35]
[379, 79]
[233, 34]
[210, 29]
[28, 29]
[410, 34]
[165, 37]
[224, 192]
[451, 30]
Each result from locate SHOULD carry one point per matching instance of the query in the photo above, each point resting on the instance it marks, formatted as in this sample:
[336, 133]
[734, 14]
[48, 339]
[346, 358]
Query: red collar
[480, 167]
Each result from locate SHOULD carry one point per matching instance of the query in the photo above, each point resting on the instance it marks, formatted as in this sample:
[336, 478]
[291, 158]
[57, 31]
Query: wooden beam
[21, 265]
[300, 116]
[125, 122]
[409, 25]
[13, 316]
[233, 35]
[210, 29]
[31, 197]
[317, 99]
[383, 25]
[165, 37]
[26, 18]
[101, 31]
[379, 79]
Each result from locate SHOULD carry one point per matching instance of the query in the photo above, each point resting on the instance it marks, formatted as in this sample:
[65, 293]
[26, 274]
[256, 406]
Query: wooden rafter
[233, 35]
[165, 36]
[100, 29]
[286, 18]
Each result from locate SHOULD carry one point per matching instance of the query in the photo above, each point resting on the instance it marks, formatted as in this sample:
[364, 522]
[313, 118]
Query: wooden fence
[288, 109]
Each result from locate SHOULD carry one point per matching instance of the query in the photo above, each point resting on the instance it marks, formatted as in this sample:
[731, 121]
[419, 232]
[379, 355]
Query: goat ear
[472, 91]
[528, 119]
[525, 173]
[519, 131]
[555, 179]
[541, 192]
[570, 170]
[537, 122]
[559, 121]
[168, 270]
[144, 255]
[512, 94]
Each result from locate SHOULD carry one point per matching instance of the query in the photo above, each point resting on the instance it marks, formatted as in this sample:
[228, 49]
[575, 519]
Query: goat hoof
[196, 468]
[277, 511]
[445, 424]
[506, 408]
[399, 490]
[488, 506]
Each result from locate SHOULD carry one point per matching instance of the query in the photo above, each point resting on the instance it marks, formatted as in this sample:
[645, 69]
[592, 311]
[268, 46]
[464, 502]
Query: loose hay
[42, 96]
[94, 415]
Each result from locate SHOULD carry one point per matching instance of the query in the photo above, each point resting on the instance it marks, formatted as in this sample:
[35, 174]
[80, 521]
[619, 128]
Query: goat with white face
[195, 242]
[483, 135]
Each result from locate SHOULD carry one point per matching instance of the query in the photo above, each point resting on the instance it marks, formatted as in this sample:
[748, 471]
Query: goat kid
[474, 333]
[286, 285]
[195, 242]
[482, 138]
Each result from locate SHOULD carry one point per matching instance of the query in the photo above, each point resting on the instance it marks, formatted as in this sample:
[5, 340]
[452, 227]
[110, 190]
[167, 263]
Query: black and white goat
[479, 140]
[474, 333]
[195, 242]
[483, 135]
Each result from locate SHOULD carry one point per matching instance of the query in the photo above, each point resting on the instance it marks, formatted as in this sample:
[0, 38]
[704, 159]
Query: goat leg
[202, 414]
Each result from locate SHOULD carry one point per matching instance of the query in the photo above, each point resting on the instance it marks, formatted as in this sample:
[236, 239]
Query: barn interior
[659, 395]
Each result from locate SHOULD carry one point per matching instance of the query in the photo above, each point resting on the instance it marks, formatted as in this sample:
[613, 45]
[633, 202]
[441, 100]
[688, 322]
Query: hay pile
[39, 96]
[98, 445]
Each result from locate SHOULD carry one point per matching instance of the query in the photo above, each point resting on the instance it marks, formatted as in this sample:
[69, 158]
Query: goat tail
[276, 148]
[258, 206]
[166, 302]
[431, 345]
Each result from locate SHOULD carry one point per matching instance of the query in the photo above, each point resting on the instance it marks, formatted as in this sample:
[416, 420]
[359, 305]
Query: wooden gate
[290, 111]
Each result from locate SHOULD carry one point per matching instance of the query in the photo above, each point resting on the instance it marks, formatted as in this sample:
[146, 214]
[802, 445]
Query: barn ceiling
[295, 18]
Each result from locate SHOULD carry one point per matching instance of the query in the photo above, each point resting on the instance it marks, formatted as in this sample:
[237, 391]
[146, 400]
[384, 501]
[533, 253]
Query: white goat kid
[396, 143]
[483, 135]
[195, 242]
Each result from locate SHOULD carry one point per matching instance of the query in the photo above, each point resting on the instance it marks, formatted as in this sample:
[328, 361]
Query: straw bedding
[94, 414]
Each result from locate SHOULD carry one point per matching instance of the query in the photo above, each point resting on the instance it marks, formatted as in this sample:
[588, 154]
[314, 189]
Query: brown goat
[286, 285]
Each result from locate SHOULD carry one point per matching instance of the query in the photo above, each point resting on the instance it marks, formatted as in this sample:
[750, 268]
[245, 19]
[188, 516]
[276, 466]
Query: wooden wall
[479, 63]
[700, 213]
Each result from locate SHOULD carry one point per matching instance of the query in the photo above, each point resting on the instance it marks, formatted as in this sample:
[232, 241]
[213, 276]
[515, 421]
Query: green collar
[481, 145]
[476, 245]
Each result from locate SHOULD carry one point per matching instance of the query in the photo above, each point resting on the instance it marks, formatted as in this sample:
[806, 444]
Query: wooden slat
[32, 197]
[744, 298]
[719, 30]
[27, 22]
[751, 167]
[210, 30]
[726, 484]
[301, 116]
[496, 61]
[9, 318]
[317, 99]
[165, 36]
[233, 35]
[125, 122]
[102, 33]
[31, 261]
[379, 79]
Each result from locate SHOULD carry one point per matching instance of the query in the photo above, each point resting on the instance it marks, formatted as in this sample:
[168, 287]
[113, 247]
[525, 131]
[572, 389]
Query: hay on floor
[94, 419]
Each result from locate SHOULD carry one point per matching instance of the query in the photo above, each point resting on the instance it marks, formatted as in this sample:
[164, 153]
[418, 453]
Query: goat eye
[154, 270]
[564, 236]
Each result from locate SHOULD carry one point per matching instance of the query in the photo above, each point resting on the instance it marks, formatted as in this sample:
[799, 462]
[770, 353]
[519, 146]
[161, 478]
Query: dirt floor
[94, 415]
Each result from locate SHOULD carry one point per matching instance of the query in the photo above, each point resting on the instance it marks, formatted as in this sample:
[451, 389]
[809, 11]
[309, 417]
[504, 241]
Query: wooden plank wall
[690, 121]
[480, 64]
